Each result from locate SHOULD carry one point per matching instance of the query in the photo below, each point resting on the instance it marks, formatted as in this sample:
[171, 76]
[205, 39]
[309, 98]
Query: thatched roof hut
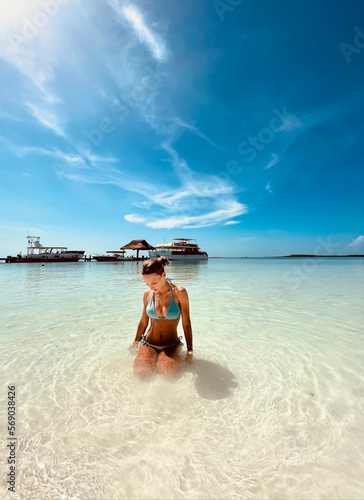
[137, 245]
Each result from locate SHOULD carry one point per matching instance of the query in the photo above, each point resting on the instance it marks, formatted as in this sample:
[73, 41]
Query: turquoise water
[273, 406]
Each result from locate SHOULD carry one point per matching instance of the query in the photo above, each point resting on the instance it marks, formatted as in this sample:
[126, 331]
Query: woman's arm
[186, 321]
[143, 322]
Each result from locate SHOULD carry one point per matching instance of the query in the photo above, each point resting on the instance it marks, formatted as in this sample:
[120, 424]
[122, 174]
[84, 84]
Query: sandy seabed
[271, 408]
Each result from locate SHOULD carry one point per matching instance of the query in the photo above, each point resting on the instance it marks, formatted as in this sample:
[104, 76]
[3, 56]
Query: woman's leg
[169, 361]
[145, 361]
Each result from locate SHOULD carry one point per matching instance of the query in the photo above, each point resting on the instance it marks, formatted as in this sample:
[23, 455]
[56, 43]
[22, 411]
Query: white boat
[111, 256]
[179, 249]
[40, 253]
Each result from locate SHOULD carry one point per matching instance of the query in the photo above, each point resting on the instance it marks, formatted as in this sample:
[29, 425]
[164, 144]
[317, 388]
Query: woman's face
[154, 281]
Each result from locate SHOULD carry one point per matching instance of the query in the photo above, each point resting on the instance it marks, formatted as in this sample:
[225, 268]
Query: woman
[163, 304]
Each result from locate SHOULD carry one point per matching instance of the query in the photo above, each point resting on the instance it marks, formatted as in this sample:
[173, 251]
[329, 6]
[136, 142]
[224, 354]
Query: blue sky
[238, 123]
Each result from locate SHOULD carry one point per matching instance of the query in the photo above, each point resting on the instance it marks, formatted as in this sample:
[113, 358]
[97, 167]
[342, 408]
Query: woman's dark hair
[155, 266]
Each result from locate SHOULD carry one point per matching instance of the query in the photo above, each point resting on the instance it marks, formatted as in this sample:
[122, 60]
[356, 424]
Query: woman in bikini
[159, 347]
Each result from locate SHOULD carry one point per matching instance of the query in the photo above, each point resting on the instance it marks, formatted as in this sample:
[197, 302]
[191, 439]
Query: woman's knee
[167, 365]
[143, 370]
[145, 364]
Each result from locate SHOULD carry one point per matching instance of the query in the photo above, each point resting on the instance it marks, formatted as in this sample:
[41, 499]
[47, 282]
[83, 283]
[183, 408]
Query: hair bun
[163, 260]
[155, 265]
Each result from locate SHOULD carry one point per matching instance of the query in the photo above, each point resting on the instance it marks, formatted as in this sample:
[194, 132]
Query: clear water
[273, 406]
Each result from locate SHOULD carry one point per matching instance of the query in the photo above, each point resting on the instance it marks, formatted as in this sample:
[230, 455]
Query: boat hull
[106, 258]
[31, 259]
[34, 259]
[171, 255]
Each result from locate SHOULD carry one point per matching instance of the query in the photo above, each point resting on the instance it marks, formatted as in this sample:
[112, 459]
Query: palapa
[137, 245]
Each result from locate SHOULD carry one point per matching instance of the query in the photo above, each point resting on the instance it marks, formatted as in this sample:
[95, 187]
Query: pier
[85, 258]
[56, 254]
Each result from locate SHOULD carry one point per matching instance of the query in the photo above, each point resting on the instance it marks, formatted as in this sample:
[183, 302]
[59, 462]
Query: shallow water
[273, 406]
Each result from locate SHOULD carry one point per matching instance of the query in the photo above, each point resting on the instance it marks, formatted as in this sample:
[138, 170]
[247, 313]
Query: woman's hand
[134, 346]
[189, 357]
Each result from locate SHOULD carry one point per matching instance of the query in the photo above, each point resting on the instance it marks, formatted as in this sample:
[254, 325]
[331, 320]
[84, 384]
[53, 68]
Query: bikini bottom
[159, 348]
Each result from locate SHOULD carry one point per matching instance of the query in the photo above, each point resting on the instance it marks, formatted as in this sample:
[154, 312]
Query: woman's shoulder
[146, 295]
[175, 287]
[179, 290]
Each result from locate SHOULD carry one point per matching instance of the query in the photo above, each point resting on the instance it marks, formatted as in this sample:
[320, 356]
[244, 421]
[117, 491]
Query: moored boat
[183, 249]
[111, 256]
[40, 253]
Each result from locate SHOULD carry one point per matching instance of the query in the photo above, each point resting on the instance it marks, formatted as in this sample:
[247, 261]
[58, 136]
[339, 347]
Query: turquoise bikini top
[173, 311]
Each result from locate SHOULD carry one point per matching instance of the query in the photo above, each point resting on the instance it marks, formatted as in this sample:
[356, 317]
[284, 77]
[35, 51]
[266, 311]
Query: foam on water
[271, 408]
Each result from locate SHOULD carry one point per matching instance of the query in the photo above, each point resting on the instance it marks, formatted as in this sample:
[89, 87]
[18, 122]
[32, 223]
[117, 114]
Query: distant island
[300, 255]
[297, 256]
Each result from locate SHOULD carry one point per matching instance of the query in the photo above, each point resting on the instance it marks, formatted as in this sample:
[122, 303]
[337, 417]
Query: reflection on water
[185, 273]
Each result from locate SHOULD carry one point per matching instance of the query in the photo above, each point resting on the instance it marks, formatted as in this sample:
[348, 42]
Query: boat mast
[33, 242]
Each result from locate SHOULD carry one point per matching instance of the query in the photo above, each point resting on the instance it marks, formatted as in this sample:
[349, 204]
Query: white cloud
[19, 11]
[134, 218]
[194, 184]
[26, 32]
[56, 52]
[357, 242]
[231, 222]
[147, 37]
[203, 187]
[71, 158]
[229, 209]
[182, 124]
[46, 117]
[272, 162]
[196, 193]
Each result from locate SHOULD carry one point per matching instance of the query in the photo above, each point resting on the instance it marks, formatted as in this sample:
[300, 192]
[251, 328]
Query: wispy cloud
[290, 123]
[199, 201]
[134, 17]
[89, 168]
[24, 45]
[46, 117]
[69, 158]
[272, 162]
[145, 34]
[135, 219]
[194, 199]
[231, 222]
[182, 124]
[202, 200]
[228, 210]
